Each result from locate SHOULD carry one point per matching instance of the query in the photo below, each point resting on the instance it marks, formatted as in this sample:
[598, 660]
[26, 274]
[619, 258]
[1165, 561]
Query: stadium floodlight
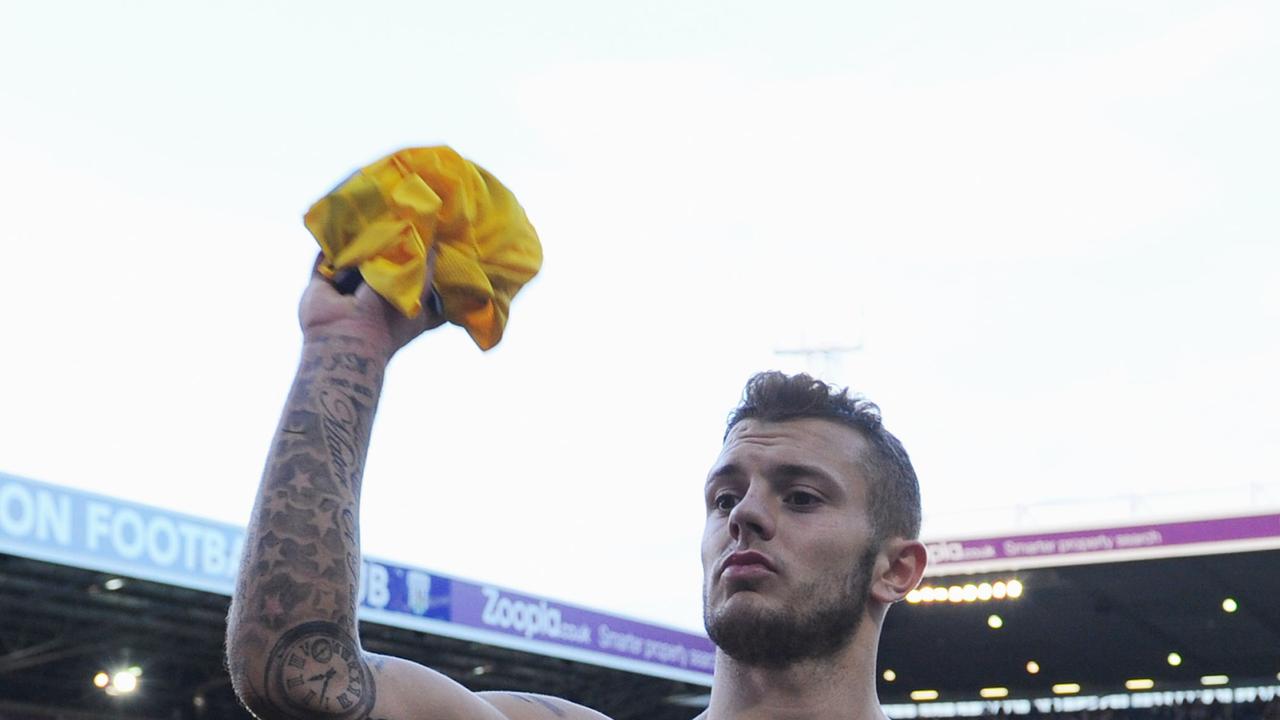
[1066, 688]
[994, 692]
[995, 622]
[113, 584]
[890, 676]
[924, 695]
[1033, 667]
[1214, 680]
[124, 682]
[1230, 605]
[119, 682]
[967, 593]
[1139, 684]
[1174, 659]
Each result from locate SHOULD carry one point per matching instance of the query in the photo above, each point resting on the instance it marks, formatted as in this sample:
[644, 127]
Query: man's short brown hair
[893, 488]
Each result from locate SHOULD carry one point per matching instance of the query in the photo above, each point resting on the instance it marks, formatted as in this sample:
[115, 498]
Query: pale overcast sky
[1051, 228]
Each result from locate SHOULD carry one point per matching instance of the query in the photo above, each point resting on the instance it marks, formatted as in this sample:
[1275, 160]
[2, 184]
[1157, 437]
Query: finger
[315, 266]
[317, 282]
[431, 266]
[368, 297]
[347, 280]
[431, 298]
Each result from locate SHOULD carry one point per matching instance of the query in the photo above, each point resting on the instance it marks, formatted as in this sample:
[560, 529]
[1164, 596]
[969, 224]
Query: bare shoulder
[530, 706]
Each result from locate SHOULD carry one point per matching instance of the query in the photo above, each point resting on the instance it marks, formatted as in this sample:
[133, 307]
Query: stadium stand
[91, 584]
[1192, 710]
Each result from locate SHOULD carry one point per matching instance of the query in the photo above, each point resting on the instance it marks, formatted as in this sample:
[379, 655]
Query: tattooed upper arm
[316, 670]
[550, 706]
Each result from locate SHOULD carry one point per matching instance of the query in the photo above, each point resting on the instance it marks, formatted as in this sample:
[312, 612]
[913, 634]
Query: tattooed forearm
[295, 600]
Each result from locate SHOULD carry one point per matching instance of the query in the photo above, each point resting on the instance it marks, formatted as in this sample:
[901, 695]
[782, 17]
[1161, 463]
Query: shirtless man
[813, 511]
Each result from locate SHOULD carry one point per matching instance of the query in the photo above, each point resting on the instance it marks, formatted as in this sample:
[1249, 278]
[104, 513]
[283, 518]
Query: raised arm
[292, 645]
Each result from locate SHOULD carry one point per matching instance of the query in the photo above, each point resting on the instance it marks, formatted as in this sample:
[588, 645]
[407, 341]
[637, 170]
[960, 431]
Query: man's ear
[898, 569]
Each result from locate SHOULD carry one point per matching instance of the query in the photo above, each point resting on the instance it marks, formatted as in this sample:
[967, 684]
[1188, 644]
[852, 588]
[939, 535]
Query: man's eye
[725, 502]
[802, 499]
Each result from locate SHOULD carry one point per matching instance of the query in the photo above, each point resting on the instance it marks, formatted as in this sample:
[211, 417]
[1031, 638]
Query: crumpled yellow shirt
[386, 216]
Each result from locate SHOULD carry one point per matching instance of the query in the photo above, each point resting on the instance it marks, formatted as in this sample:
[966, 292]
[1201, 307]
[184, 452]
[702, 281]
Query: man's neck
[839, 687]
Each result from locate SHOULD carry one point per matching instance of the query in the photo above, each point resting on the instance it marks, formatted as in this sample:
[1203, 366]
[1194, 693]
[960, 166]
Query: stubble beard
[818, 629]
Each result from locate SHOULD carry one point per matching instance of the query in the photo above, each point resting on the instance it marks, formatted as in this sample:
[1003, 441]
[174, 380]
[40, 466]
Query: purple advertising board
[1105, 544]
[491, 608]
[460, 608]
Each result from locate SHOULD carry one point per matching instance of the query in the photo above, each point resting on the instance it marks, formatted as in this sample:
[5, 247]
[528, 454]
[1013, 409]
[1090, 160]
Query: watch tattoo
[317, 670]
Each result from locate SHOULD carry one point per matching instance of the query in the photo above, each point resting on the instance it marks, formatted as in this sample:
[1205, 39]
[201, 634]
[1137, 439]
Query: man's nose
[751, 516]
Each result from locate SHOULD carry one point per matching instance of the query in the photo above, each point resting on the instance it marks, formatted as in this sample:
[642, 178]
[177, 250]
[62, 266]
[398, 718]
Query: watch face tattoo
[317, 670]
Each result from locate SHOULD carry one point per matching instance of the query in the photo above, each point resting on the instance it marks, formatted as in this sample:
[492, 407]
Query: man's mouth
[746, 564]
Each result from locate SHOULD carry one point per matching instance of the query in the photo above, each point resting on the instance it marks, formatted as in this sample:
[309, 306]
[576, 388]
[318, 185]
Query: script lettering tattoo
[355, 388]
[341, 433]
[348, 361]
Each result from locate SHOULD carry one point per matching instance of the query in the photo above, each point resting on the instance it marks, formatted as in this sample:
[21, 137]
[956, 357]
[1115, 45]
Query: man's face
[787, 552]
